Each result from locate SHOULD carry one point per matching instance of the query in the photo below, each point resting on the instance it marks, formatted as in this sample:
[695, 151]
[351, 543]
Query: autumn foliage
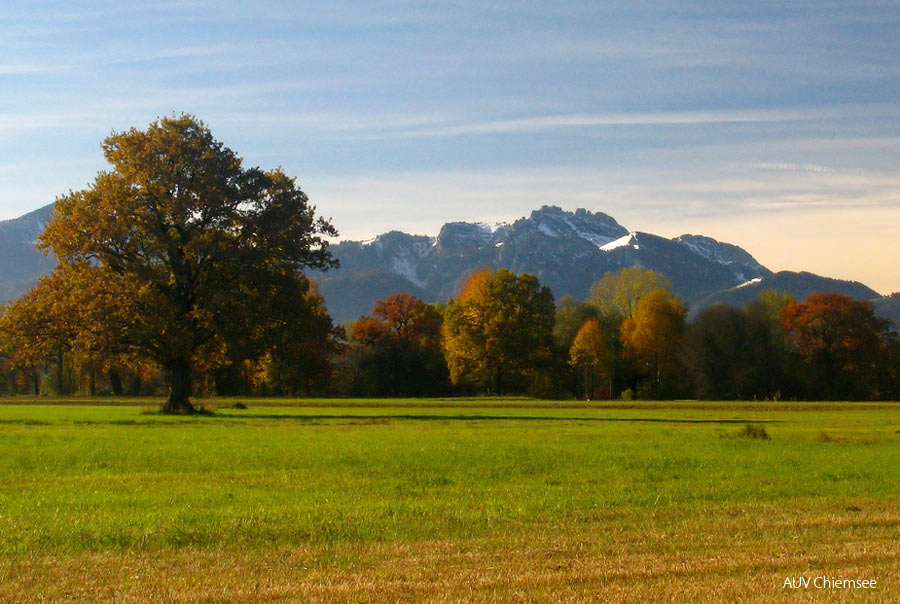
[498, 333]
[841, 344]
[594, 355]
[181, 270]
[652, 338]
[502, 334]
[178, 254]
[395, 351]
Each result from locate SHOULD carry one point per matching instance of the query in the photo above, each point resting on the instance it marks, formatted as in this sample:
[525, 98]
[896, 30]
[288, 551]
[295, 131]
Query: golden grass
[723, 553]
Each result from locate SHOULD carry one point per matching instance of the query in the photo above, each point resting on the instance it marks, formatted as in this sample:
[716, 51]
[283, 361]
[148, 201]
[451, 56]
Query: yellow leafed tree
[498, 333]
[592, 353]
[652, 335]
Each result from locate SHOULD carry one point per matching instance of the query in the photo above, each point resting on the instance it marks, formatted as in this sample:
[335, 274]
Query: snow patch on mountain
[750, 282]
[405, 268]
[628, 239]
[595, 238]
[696, 244]
[598, 240]
[546, 230]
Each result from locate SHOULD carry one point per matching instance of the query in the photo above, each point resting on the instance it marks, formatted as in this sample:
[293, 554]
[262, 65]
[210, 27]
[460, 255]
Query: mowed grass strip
[679, 555]
[272, 503]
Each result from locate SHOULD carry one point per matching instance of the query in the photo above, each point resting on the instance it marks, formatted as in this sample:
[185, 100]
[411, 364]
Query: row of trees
[502, 334]
[181, 270]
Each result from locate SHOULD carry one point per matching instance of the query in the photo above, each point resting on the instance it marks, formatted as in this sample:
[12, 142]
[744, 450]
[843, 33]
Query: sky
[770, 125]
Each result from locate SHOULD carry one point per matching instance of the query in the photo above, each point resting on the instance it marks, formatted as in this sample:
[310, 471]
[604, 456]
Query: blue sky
[768, 124]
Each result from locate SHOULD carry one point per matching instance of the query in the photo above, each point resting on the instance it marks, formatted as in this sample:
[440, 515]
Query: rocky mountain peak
[462, 235]
[567, 251]
[596, 227]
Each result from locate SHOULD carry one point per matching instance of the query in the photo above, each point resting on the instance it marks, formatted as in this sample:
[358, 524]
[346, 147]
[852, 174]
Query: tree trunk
[115, 382]
[60, 374]
[134, 384]
[179, 389]
[587, 388]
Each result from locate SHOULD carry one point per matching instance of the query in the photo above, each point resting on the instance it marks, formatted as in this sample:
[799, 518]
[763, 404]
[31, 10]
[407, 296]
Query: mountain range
[568, 251]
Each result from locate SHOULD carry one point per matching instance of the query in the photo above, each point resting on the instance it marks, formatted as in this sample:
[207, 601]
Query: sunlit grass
[92, 484]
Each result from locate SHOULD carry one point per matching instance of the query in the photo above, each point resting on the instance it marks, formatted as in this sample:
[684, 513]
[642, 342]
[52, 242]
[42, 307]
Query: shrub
[753, 431]
[646, 391]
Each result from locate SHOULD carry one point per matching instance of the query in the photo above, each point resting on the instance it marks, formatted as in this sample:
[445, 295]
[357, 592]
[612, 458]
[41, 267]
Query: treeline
[503, 334]
[630, 339]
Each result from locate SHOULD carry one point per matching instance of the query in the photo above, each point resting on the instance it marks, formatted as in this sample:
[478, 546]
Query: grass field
[457, 500]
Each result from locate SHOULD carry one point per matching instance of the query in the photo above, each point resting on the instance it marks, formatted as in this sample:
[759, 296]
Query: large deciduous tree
[396, 351]
[735, 354]
[841, 343]
[498, 333]
[178, 251]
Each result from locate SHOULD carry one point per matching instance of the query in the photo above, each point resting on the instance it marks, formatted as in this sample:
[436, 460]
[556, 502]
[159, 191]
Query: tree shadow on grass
[469, 418]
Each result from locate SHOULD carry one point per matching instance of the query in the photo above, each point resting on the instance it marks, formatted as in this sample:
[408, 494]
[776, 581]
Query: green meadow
[447, 500]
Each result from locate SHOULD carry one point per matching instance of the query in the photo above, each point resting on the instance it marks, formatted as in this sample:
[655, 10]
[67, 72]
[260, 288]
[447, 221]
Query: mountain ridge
[568, 251]
[20, 261]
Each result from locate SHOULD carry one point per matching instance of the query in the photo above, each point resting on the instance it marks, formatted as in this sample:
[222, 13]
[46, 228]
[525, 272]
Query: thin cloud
[791, 167]
[597, 120]
[123, 56]
[26, 68]
[65, 13]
